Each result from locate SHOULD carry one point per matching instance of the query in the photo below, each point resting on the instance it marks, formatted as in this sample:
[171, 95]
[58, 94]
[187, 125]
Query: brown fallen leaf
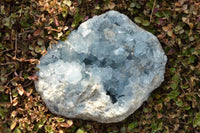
[36, 33]
[20, 89]
[111, 5]
[15, 102]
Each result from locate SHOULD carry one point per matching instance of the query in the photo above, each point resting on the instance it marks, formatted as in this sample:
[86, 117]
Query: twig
[6, 75]
[6, 50]
[24, 32]
[26, 85]
[11, 100]
[181, 87]
[152, 10]
[16, 46]
[188, 83]
[8, 63]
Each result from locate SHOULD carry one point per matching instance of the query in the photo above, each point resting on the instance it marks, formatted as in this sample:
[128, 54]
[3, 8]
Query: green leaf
[35, 128]
[1, 46]
[145, 23]
[38, 49]
[2, 11]
[15, 93]
[154, 127]
[187, 108]
[179, 103]
[64, 11]
[138, 5]
[41, 122]
[88, 126]
[13, 124]
[150, 4]
[175, 81]
[189, 97]
[178, 28]
[173, 94]
[77, 19]
[160, 126]
[174, 85]
[60, 120]
[2, 88]
[2, 114]
[25, 75]
[24, 23]
[132, 4]
[80, 131]
[48, 129]
[17, 130]
[132, 125]
[159, 14]
[123, 129]
[7, 22]
[172, 70]
[168, 13]
[40, 42]
[175, 77]
[138, 19]
[192, 59]
[145, 110]
[197, 120]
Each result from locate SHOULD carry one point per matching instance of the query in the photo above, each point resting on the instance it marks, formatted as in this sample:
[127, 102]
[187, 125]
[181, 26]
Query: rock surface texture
[104, 71]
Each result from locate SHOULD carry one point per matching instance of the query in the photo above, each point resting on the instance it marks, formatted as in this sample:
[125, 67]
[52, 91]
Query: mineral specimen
[104, 71]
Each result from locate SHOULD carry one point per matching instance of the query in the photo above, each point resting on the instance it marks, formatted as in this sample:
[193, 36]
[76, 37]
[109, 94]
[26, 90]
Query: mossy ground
[28, 27]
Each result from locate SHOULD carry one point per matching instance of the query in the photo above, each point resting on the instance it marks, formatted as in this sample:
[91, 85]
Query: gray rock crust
[104, 71]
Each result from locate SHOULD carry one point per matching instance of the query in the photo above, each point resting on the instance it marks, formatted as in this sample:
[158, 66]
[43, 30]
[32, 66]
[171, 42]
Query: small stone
[104, 71]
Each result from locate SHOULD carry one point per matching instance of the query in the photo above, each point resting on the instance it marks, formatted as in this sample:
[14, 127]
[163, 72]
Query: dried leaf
[111, 5]
[20, 89]
[185, 20]
[191, 25]
[61, 131]
[166, 28]
[64, 125]
[170, 33]
[159, 115]
[158, 107]
[70, 123]
[178, 4]
[13, 114]
[15, 101]
[36, 33]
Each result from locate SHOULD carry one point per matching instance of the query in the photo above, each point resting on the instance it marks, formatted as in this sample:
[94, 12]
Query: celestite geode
[104, 71]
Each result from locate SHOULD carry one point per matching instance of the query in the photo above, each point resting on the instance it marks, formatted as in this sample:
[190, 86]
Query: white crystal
[104, 71]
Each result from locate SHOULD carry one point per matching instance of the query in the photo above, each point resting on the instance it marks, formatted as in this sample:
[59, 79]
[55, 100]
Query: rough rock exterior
[104, 71]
